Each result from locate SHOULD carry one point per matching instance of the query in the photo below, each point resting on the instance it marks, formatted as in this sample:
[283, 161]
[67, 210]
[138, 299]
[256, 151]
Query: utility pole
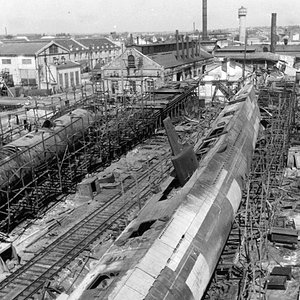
[91, 57]
[245, 50]
[46, 73]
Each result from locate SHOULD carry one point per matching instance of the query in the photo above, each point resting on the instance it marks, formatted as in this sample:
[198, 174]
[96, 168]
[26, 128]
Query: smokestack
[137, 40]
[131, 39]
[182, 46]
[187, 47]
[177, 44]
[273, 33]
[242, 12]
[204, 20]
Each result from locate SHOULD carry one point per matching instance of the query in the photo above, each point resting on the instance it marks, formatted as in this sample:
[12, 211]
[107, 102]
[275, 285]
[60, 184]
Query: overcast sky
[97, 16]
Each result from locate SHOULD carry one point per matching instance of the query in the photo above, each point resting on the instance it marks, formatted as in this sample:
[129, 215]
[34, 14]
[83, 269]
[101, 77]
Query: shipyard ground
[271, 206]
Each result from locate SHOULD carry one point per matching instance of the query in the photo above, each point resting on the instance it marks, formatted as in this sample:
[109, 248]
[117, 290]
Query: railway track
[30, 278]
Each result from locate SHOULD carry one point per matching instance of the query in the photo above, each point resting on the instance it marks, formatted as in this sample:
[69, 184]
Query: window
[28, 82]
[53, 49]
[61, 83]
[25, 73]
[132, 85]
[131, 61]
[150, 85]
[6, 61]
[66, 80]
[77, 77]
[72, 78]
[28, 77]
[140, 62]
[26, 61]
[114, 86]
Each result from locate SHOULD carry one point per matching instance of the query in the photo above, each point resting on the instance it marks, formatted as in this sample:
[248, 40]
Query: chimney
[204, 20]
[182, 46]
[131, 39]
[273, 33]
[242, 13]
[177, 44]
[193, 50]
[187, 47]
[137, 40]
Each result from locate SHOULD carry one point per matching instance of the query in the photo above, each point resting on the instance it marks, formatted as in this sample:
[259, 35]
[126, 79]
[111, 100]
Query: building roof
[287, 48]
[98, 67]
[71, 44]
[147, 60]
[22, 48]
[293, 50]
[240, 48]
[293, 54]
[67, 65]
[168, 59]
[97, 43]
[15, 40]
[258, 56]
[26, 48]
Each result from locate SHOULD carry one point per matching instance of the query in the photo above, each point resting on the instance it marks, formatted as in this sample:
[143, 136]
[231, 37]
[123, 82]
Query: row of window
[25, 61]
[86, 55]
[131, 86]
[64, 79]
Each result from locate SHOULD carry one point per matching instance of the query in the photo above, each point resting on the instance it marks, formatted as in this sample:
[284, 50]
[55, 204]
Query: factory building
[29, 63]
[68, 75]
[132, 72]
[143, 67]
[90, 51]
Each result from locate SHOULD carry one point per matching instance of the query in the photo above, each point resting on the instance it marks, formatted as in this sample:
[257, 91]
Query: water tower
[242, 17]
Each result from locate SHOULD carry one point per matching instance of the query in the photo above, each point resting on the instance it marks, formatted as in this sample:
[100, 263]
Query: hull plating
[171, 249]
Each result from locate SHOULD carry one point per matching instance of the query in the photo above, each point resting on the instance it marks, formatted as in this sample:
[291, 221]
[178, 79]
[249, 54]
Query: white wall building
[90, 51]
[30, 63]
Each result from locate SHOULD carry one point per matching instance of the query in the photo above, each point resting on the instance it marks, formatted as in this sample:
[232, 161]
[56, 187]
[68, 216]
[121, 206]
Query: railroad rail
[31, 277]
